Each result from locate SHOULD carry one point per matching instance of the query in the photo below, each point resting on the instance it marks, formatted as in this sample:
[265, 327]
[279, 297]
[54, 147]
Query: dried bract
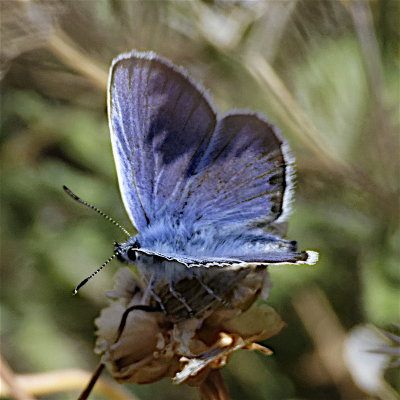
[150, 347]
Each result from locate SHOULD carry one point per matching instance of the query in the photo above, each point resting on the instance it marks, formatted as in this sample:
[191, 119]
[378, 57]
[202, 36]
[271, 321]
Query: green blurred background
[326, 72]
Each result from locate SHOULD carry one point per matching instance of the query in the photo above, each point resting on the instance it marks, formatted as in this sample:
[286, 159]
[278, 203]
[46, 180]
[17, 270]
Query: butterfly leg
[154, 294]
[158, 300]
[179, 297]
[213, 294]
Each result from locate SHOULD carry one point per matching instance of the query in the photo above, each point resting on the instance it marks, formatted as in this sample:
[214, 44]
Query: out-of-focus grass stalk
[301, 124]
[360, 12]
[272, 27]
[56, 382]
[361, 15]
[290, 111]
[65, 49]
[328, 335]
[362, 18]
[10, 383]
[282, 100]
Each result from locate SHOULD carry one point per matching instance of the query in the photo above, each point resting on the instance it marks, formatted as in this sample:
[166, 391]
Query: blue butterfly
[207, 193]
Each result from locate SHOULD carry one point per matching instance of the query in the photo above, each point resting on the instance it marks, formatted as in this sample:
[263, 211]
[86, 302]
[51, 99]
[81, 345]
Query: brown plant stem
[89, 387]
[213, 387]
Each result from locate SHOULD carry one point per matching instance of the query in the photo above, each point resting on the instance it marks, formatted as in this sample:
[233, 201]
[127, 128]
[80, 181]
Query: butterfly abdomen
[183, 292]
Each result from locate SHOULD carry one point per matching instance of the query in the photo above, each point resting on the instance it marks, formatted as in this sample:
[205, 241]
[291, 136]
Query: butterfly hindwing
[244, 176]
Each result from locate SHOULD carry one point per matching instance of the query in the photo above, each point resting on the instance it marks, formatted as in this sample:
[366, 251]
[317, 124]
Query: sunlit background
[325, 72]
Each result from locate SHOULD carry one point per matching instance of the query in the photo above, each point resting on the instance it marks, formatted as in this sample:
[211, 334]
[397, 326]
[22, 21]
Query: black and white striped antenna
[112, 220]
[93, 274]
[104, 215]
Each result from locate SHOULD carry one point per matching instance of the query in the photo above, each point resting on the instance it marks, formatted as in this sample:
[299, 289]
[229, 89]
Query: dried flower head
[150, 347]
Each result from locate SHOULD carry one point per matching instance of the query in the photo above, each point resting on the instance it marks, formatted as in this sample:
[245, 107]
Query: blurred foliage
[338, 61]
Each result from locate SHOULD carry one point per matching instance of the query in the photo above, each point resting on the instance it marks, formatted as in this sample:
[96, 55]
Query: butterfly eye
[131, 254]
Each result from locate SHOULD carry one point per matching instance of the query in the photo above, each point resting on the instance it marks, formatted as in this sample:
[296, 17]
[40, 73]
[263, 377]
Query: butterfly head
[126, 252]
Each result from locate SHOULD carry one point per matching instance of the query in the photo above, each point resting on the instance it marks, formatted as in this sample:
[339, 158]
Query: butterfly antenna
[85, 203]
[93, 274]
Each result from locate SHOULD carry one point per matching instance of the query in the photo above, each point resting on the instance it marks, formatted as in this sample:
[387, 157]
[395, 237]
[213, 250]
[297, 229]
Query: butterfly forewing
[160, 126]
